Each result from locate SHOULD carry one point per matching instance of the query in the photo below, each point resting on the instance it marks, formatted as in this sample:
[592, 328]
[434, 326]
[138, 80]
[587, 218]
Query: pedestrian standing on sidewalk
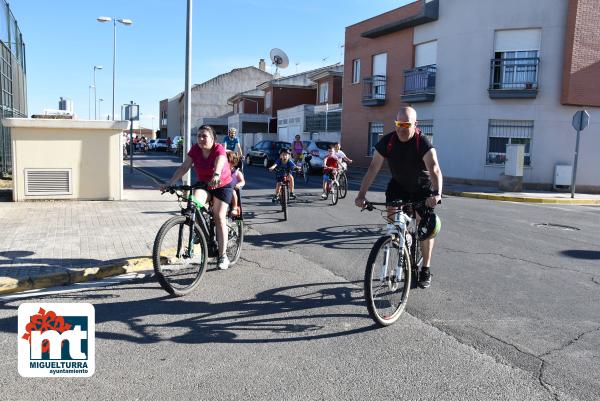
[209, 160]
[416, 176]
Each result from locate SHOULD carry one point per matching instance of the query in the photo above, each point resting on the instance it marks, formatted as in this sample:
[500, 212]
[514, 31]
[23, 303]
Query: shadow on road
[582, 254]
[293, 313]
[336, 237]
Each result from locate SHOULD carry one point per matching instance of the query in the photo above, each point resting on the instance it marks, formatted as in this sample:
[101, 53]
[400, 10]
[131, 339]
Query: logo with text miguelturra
[56, 340]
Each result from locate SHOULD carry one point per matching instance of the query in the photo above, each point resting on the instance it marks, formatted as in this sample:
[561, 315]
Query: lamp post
[123, 21]
[99, 112]
[90, 101]
[96, 67]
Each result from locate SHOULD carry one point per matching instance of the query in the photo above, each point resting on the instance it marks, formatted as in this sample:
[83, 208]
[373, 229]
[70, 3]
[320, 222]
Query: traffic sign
[581, 119]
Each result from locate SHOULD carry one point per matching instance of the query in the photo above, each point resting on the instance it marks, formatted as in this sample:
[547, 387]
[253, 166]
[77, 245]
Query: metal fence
[514, 73]
[420, 80]
[324, 122]
[374, 88]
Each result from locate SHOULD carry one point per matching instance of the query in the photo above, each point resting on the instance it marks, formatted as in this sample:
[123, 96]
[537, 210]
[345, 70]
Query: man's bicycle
[393, 264]
[184, 243]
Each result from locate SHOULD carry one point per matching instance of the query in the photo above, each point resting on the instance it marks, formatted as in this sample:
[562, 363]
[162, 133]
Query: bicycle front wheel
[177, 267]
[335, 191]
[305, 172]
[234, 240]
[387, 281]
[284, 201]
[343, 185]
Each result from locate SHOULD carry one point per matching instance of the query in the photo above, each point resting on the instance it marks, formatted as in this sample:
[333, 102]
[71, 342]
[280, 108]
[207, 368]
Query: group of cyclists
[412, 160]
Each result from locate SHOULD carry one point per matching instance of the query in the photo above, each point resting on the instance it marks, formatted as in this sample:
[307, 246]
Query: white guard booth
[66, 159]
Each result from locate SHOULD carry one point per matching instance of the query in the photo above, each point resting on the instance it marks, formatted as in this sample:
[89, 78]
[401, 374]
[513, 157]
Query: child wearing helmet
[284, 166]
[330, 166]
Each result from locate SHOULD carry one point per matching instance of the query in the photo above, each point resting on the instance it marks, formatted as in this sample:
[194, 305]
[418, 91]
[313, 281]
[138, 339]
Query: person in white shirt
[341, 156]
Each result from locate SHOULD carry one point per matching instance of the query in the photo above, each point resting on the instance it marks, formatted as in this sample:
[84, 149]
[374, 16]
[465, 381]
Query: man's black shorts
[396, 192]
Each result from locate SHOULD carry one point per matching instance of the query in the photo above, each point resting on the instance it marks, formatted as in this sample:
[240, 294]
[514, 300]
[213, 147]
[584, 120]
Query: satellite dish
[279, 58]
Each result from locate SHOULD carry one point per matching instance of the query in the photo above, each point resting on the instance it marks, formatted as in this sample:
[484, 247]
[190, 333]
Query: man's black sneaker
[424, 278]
[292, 196]
[275, 199]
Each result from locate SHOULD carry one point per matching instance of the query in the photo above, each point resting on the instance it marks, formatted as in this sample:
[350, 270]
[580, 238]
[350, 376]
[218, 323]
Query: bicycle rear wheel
[343, 185]
[334, 192]
[178, 270]
[234, 240]
[386, 286]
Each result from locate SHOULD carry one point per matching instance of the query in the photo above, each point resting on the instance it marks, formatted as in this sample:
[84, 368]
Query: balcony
[419, 84]
[512, 78]
[374, 89]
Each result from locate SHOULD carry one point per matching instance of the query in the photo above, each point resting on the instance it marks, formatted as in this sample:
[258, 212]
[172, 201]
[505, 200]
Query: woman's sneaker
[223, 262]
[292, 196]
[323, 195]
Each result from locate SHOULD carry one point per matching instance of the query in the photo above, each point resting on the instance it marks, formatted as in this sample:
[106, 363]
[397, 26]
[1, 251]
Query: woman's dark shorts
[224, 193]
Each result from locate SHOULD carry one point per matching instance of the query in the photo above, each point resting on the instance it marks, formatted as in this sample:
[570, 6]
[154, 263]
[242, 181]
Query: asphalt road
[512, 314]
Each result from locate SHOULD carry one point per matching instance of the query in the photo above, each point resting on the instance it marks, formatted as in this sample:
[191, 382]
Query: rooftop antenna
[297, 66]
[323, 59]
[279, 58]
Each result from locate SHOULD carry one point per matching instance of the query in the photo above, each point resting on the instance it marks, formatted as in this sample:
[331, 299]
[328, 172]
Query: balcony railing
[514, 77]
[419, 84]
[324, 122]
[374, 90]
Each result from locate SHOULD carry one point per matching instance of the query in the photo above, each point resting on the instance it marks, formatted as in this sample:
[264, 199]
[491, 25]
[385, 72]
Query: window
[426, 127]
[504, 132]
[324, 92]
[356, 71]
[268, 100]
[516, 53]
[375, 133]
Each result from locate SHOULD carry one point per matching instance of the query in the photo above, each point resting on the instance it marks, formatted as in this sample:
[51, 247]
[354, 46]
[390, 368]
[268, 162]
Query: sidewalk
[51, 243]
[491, 193]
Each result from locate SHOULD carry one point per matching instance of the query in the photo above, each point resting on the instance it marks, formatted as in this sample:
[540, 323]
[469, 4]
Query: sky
[64, 41]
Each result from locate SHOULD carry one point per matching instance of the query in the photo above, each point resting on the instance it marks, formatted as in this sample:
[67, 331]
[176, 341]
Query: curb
[525, 199]
[155, 178]
[71, 276]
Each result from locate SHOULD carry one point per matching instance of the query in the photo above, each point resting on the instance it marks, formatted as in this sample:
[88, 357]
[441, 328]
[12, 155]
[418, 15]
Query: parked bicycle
[184, 243]
[393, 263]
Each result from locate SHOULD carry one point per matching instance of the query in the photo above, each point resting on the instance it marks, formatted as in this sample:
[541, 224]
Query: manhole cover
[556, 226]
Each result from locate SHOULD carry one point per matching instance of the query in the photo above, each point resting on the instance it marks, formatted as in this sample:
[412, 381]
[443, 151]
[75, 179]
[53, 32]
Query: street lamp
[152, 117]
[90, 101]
[96, 67]
[123, 21]
[99, 112]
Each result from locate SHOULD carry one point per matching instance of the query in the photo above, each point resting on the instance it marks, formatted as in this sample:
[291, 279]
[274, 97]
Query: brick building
[481, 74]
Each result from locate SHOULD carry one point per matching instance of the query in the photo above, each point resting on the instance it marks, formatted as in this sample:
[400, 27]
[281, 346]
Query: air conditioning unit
[562, 177]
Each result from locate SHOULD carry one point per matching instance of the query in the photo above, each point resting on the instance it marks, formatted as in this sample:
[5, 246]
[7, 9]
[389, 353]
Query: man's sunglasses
[404, 124]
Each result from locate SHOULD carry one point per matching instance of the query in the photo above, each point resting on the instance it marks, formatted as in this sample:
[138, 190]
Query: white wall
[462, 107]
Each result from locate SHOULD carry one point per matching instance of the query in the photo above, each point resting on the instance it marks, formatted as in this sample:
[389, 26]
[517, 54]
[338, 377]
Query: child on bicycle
[284, 166]
[342, 158]
[298, 147]
[237, 181]
[330, 166]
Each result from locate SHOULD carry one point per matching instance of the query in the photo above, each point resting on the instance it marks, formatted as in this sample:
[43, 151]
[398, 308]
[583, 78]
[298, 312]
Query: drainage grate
[555, 226]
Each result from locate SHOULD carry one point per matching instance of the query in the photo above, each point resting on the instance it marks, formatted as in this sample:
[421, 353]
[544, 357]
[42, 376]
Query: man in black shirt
[416, 174]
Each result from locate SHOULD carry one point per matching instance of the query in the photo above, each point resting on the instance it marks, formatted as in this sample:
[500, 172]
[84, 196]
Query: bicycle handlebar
[174, 188]
[370, 206]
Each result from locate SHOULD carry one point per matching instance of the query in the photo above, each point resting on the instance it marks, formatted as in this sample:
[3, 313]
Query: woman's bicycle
[393, 264]
[184, 243]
